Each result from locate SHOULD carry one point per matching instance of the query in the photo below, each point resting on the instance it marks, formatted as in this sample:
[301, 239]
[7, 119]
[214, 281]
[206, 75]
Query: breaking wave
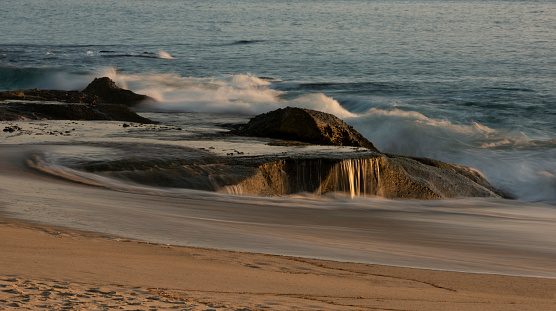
[509, 159]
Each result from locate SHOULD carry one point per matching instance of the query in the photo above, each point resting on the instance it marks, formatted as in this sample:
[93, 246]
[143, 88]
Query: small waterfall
[351, 177]
[358, 177]
[376, 184]
[233, 189]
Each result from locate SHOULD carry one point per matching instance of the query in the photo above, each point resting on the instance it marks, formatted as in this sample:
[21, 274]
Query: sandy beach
[46, 267]
[97, 244]
[277, 155]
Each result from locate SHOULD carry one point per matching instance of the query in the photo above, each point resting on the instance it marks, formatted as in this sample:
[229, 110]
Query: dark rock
[305, 125]
[101, 90]
[12, 95]
[469, 173]
[62, 111]
[385, 175]
[106, 102]
[109, 92]
[379, 175]
[365, 173]
[11, 129]
[49, 95]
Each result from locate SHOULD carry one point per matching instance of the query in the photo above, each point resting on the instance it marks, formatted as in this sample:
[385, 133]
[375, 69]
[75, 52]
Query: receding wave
[147, 170]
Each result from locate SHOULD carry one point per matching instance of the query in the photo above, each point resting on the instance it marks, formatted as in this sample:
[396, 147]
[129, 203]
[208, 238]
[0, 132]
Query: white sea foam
[510, 159]
[238, 94]
[164, 55]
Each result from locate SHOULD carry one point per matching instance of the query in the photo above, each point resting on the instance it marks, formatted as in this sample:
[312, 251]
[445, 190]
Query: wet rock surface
[378, 175]
[305, 125]
[249, 165]
[100, 90]
[386, 175]
[101, 100]
[50, 95]
[107, 90]
[356, 172]
[15, 111]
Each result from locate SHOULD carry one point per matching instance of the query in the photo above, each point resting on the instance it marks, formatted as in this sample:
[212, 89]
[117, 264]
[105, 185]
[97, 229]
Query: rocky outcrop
[365, 173]
[50, 95]
[101, 100]
[305, 125]
[108, 92]
[62, 111]
[100, 91]
[379, 174]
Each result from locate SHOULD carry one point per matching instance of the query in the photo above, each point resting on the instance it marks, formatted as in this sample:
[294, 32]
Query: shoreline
[452, 235]
[71, 245]
[81, 269]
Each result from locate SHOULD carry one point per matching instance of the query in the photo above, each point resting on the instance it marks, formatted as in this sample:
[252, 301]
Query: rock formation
[364, 173]
[63, 111]
[379, 175]
[305, 125]
[50, 95]
[101, 100]
[109, 92]
[371, 173]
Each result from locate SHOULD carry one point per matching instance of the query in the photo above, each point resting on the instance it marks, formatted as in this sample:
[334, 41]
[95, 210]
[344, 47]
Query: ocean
[464, 81]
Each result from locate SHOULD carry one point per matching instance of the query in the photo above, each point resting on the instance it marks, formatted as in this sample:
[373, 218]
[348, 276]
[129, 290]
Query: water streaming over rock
[370, 174]
[356, 177]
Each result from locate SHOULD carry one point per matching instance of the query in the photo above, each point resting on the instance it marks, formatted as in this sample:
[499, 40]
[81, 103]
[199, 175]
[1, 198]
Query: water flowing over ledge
[480, 235]
[170, 169]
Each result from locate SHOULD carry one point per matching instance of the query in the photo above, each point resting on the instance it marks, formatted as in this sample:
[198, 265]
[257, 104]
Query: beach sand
[45, 267]
[103, 263]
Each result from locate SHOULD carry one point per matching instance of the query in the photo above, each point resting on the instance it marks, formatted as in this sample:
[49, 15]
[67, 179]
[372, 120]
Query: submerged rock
[305, 125]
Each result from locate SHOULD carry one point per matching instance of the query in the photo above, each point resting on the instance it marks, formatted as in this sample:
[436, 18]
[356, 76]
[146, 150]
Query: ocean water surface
[470, 82]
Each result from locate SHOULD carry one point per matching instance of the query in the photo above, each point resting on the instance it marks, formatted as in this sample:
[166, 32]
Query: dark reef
[102, 99]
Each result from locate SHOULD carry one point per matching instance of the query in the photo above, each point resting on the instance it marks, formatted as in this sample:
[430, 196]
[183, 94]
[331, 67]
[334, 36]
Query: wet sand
[55, 268]
[131, 259]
